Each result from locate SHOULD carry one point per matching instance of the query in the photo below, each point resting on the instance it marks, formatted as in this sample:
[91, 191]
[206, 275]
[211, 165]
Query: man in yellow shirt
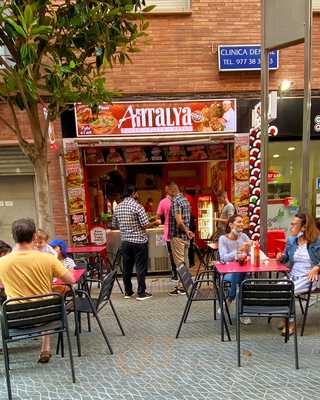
[27, 272]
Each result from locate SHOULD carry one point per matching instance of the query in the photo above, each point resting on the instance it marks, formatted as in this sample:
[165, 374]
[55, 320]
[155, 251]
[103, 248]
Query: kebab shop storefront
[193, 143]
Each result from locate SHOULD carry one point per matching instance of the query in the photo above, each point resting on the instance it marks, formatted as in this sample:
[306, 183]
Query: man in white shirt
[229, 117]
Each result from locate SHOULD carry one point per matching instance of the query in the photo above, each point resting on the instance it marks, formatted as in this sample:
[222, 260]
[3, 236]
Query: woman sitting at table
[234, 246]
[302, 254]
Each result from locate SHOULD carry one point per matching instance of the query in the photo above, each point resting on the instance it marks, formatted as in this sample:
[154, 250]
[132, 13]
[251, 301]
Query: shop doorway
[17, 200]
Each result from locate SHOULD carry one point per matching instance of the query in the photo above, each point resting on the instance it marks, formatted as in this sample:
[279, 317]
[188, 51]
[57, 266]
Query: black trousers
[134, 254]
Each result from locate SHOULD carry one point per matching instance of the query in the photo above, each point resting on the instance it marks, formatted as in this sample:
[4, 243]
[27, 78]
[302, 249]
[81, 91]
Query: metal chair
[88, 305]
[306, 297]
[114, 265]
[196, 293]
[29, 317]
[269, 298]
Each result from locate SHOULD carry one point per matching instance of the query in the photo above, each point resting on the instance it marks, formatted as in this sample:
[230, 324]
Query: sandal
[291, 330]
[44, 357]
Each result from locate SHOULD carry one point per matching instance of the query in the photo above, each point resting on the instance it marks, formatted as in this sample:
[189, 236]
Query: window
[6, 55]
[316, 5]
[163, 6]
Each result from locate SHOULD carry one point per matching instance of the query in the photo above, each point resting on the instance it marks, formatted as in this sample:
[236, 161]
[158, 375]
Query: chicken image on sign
[209, 116]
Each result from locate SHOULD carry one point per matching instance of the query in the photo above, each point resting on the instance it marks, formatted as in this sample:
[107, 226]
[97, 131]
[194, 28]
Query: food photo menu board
[152, 154]
[241, 175]
[75, 192]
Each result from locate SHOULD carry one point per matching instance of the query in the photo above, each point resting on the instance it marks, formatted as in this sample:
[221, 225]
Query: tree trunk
[43, 193]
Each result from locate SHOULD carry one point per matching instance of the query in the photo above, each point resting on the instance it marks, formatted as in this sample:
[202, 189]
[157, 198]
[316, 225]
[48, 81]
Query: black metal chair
[114, 265]
[269, 298]
[88, 305]
[196, 293]
[306, 297]
[29, 317]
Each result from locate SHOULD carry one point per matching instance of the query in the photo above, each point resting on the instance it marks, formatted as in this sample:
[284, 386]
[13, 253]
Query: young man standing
[130, 217]
[227, 211]
[179, 229]
[28, 272]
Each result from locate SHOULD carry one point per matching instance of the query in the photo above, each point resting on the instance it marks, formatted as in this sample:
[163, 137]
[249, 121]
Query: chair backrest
[199, 254]
[32, 311]
[266, 293]
[106, 287]
[185, 277]
[276, 242]
[117, 260]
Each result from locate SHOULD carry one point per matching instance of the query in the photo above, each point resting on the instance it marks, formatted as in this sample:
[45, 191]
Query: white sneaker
[245, 320]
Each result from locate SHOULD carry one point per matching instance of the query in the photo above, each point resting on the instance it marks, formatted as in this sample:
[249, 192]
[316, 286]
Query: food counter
[158, 254]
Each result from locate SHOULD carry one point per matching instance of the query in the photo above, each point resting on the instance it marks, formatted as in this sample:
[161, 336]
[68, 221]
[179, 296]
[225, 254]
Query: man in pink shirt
[164, 212]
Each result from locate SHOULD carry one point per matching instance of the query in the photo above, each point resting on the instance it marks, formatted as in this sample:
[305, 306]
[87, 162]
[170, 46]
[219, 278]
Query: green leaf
[42, 30]
[18, 29]
[148, 9]
[28, 15]
[72, 64]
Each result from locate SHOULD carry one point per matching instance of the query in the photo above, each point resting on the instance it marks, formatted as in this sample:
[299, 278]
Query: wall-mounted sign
[244, 58]
[98, 235]
[147, 155]
[173, 117]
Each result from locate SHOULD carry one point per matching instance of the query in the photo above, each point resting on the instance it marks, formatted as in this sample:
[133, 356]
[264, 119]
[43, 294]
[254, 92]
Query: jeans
[235, 279]
[134, 254]
[173, 265]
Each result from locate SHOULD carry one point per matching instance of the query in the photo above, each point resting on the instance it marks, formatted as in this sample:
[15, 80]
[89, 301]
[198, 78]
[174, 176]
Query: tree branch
[23, 143]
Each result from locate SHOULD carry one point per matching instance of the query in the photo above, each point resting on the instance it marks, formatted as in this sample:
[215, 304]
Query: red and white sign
[98, 235]
[210, 116]
[273, 175]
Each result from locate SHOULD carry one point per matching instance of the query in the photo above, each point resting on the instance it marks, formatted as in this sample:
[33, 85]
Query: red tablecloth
[77, 275]
[267, 266]
[87, 250]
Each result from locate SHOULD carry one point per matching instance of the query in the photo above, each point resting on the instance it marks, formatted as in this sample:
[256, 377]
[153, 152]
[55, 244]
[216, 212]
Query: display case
[205, 217]
[158, 253]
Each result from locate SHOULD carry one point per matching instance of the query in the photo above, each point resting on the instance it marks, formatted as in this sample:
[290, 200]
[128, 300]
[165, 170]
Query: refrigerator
[205, 226]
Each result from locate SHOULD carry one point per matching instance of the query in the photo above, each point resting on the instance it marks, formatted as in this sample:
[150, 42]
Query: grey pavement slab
[149, 363]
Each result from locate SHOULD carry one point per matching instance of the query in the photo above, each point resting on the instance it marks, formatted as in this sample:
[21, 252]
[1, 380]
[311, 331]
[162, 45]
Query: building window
[4, 53]
[167, 6]
[316, 5]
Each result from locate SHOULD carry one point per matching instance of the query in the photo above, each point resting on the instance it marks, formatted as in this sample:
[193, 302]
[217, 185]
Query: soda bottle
[257, 254]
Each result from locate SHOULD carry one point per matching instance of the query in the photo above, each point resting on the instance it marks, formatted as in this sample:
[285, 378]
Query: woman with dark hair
[302, 254]
[5, 248]
[234, 246]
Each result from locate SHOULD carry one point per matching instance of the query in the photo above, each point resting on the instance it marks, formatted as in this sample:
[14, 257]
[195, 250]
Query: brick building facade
[181, 61]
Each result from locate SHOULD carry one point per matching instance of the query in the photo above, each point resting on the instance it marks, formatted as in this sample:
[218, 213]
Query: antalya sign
[210, 116]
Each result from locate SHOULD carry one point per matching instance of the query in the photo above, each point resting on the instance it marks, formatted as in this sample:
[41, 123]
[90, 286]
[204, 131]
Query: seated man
[27, 272]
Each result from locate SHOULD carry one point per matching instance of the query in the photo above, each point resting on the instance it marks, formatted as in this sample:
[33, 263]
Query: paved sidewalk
[149, 363]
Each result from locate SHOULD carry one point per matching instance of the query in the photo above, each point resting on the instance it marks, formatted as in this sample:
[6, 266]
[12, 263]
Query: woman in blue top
[302, 254]
[234, 246]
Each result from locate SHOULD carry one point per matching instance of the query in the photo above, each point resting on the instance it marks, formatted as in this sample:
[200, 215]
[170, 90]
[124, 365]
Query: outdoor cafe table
[234, 266]
[77, 276]
[98, 251]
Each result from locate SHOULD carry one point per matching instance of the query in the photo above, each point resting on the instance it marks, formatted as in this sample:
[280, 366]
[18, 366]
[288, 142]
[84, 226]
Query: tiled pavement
[149, 363]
